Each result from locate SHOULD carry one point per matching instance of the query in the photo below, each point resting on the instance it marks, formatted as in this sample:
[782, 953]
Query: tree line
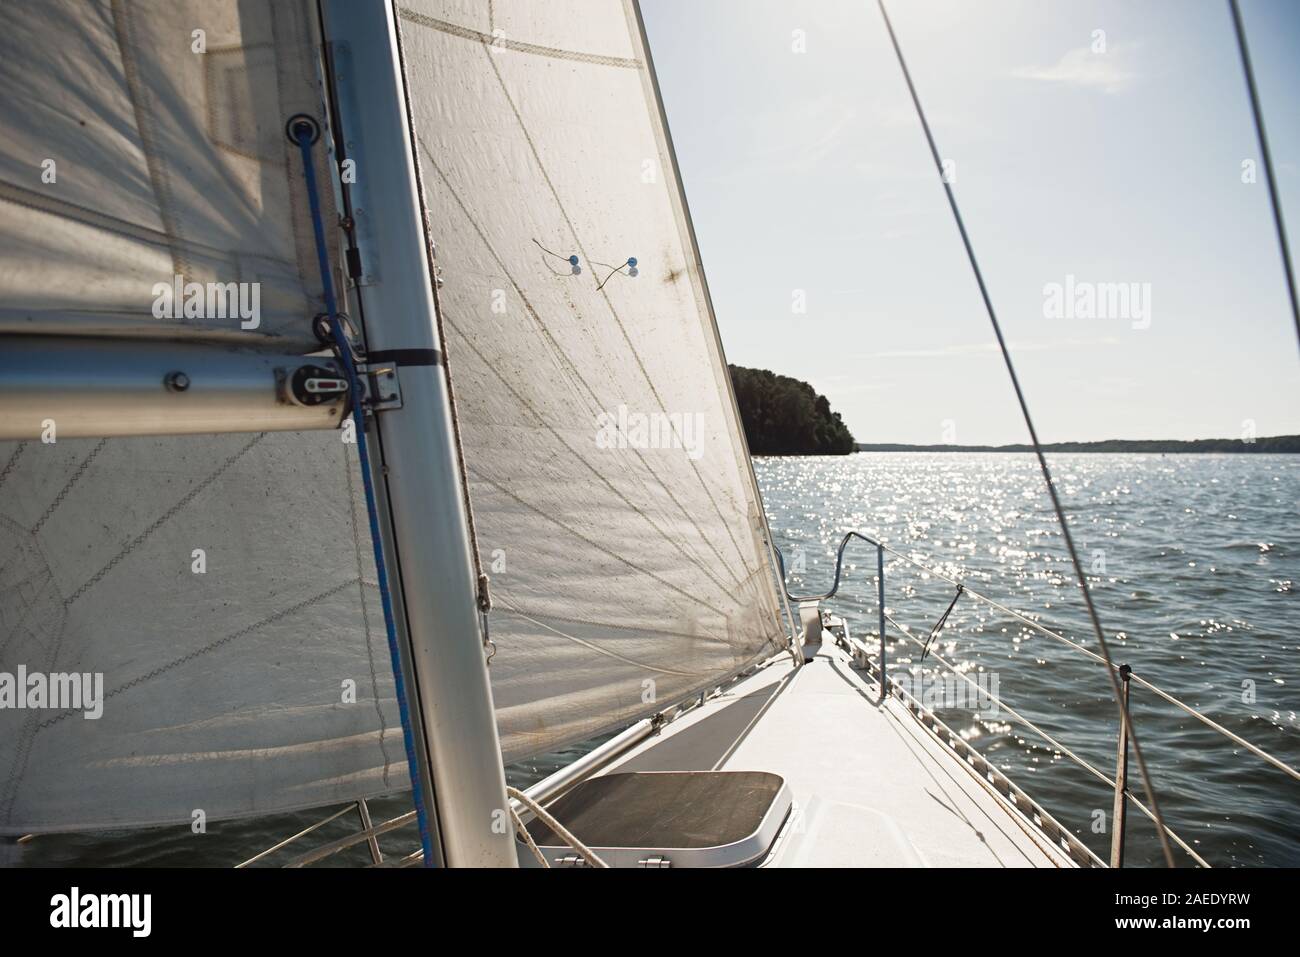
[785, 416]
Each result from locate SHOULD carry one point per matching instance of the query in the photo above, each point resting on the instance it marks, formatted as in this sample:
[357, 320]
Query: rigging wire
[1038, 448]
[305, 133]
[1191, 852]
[1038, 626]
[1268, 164]
[1133, 675]
[938, 625]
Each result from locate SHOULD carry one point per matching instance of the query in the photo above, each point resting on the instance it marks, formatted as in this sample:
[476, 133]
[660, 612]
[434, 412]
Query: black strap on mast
[1268, 164]
[1038, 449]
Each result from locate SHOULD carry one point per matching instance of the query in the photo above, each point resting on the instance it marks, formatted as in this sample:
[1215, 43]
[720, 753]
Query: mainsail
[144, 140]
[222, 585]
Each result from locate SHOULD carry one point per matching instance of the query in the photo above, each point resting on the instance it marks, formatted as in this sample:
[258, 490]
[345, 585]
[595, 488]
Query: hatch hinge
[571, 860]
[657, 860]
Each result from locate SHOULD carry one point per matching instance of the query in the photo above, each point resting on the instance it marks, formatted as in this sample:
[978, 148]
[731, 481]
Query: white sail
[222, 586]
[615, 509]
[143, 140]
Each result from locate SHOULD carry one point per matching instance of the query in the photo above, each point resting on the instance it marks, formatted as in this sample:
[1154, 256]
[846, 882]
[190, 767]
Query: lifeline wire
[1038, 449]
[1133, 675]
[304, 134]
[1080, 762]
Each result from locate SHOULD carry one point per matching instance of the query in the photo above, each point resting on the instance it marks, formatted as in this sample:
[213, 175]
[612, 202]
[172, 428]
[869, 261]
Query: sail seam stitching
[21, 196]
[68, 486]
[161, 520]
[139, 94]
[596, 545]
[519, 46]
[28, 734]
[592, 646]
[13, 461]
[525, 403]
[207, 649]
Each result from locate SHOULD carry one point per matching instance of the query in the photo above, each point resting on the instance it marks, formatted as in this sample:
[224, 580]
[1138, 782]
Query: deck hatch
[686, 818]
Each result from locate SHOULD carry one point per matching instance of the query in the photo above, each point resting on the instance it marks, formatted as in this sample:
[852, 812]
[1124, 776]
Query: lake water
[1195, 565]
[1194, 562]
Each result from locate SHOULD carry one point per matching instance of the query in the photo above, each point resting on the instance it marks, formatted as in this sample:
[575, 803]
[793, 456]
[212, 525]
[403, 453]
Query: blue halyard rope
[304, 134]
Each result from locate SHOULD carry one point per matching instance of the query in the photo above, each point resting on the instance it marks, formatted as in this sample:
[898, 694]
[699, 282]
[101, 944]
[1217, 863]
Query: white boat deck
[872, 787]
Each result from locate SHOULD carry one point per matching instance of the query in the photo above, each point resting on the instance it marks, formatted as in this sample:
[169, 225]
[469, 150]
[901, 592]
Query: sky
[1115, 158]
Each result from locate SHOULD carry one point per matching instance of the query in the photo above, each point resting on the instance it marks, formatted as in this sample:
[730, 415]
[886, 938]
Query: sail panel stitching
[161, 520]
[68, 486]
[13, 461]
[519, 46]
[542, 513]
[123, 20]
[526, 404]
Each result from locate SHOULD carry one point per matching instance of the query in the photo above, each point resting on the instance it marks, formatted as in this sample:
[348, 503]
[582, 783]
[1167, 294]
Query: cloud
[1084, 69]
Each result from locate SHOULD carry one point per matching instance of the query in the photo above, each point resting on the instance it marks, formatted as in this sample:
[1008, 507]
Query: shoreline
[1280, 444]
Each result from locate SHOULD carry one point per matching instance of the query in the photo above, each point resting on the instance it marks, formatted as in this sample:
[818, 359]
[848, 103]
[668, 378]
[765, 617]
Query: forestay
[615, 508]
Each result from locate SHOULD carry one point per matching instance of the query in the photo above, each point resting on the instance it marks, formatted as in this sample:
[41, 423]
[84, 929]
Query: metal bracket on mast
[380, 382]
[382, 385]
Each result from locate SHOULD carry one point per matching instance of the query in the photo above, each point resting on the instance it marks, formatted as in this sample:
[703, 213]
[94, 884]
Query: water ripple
[1192, 560]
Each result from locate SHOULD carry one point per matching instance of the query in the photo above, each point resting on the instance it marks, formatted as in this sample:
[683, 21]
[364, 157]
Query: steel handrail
[880, 593]
[839, 564]
[369, 832]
